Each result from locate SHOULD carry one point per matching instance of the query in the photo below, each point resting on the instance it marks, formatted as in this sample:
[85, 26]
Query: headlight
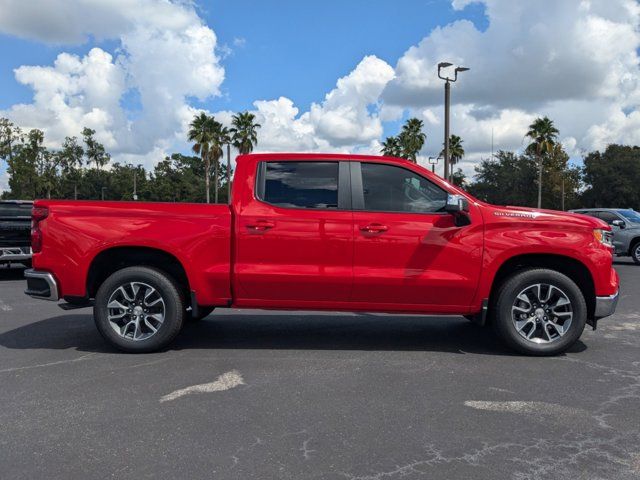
[605, 237]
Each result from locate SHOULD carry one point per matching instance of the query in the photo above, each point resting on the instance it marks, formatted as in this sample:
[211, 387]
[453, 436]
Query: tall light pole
[447, 103]
[135, 185]
[434, 161]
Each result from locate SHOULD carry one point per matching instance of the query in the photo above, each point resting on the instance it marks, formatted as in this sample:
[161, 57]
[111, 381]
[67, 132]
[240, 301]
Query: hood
[551, 216]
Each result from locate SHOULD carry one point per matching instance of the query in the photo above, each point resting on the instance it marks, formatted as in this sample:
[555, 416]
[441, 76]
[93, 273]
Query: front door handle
[261, 225]
[374, 228]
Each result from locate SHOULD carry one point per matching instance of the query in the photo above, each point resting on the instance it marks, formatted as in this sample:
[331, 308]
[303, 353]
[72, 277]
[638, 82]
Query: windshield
[630, 215]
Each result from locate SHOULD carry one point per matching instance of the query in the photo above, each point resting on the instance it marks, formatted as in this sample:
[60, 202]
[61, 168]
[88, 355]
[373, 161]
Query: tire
[157, 303]
[203, 312]
[635, 252]
[553, 316]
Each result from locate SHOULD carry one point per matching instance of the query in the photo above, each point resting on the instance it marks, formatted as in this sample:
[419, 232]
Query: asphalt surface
[247, 394]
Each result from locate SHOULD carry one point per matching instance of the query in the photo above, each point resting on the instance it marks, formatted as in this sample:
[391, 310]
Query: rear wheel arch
[113, 259]
[577, 271]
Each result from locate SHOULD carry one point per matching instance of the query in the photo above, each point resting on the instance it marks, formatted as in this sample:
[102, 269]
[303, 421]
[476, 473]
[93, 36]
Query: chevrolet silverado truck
[15, 240]
[326, 232]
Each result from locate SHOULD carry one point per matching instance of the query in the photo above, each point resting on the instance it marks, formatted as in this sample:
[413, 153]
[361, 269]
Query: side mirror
[456, 204]
[618, 223]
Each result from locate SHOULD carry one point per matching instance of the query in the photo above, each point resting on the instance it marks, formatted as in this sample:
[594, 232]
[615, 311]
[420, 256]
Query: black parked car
[15, 232]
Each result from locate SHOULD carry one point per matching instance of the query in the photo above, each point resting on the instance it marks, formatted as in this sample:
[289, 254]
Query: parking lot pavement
[247, 394]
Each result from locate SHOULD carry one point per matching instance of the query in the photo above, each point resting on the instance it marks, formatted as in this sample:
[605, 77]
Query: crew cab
[326, 232]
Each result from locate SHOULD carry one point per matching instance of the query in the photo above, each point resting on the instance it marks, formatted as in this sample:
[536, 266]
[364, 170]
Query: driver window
[388, 188]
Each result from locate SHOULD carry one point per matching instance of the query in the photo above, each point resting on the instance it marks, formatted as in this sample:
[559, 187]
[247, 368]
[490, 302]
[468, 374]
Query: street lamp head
[462, 69]
[444, 64]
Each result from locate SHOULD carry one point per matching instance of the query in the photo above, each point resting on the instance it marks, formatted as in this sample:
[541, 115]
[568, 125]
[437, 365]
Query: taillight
[37, 215]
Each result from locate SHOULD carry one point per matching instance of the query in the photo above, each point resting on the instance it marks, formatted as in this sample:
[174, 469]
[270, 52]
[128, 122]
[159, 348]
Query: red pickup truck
[326, 232]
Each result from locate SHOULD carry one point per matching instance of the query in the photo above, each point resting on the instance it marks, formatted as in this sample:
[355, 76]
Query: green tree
[456, 152]
[244, 132]
[244, 137]
[543, 135]
[505, 179]
[458, 178]
[69, 160]
[411, 139]
[120, 182]
[201, 132]
[94, 150]
[612, 178]
[391, 147]
[10, 137]
[219, 138]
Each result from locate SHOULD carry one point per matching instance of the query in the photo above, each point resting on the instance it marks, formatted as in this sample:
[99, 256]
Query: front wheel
[138, 309]
[539, 312]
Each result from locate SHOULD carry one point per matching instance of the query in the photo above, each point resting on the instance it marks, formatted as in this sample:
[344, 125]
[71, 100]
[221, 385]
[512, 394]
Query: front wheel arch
[568, 266]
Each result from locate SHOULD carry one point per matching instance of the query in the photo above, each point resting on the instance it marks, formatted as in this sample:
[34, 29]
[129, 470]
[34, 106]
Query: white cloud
[342, 122]
[166, 54]
[76, 21]
[574, 60]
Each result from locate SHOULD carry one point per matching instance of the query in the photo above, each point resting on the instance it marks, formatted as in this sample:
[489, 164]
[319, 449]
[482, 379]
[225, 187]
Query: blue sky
[286, 47]
[321, 76]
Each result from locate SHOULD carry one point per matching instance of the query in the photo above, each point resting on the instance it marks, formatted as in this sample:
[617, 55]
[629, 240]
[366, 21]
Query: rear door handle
[261, 225]
[374, 228]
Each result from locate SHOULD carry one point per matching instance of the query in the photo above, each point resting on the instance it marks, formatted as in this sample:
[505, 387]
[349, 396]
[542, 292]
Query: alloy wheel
[136, 311]
[542, 313]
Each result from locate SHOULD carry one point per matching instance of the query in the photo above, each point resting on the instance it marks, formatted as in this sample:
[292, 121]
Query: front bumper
[606, 306]
[41, 285]
[14, 254]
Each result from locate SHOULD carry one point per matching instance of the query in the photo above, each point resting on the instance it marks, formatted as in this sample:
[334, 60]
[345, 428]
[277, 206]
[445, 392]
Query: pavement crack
[50, 364]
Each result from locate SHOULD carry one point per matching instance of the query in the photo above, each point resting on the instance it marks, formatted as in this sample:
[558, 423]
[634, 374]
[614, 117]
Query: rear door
[295, 239]
[408, 253]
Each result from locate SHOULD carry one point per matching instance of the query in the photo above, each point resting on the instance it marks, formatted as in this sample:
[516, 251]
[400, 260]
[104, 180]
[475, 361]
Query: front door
[295, 239]
[408, 253]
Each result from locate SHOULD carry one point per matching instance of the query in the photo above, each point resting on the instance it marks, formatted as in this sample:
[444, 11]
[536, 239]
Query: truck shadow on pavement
[13, 274]
[275, 331]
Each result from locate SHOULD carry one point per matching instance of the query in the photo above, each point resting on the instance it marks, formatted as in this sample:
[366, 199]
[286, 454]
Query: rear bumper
[606, 306]
[14, 254]
[41, 285]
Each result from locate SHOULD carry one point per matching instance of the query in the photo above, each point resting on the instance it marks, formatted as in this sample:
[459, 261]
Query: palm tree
[244, 132]
[221, 136]
[201, 132]
[391, 147]
[411, 139]
[456, 152]
[543, 135]
[244, 137]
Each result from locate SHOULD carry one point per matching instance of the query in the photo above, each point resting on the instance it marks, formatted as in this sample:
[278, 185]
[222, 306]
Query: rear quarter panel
[197, 235]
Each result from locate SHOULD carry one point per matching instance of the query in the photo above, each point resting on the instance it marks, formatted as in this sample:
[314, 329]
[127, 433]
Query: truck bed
[197, 235]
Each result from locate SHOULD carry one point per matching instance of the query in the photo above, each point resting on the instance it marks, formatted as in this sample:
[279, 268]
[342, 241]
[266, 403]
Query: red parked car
[326, 232]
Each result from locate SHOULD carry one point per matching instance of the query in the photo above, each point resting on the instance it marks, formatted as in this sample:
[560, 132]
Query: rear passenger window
[301, 184]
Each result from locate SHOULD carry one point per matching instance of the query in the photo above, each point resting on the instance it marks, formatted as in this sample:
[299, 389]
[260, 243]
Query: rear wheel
[539, 312]
[138, 309]
[635, 252]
